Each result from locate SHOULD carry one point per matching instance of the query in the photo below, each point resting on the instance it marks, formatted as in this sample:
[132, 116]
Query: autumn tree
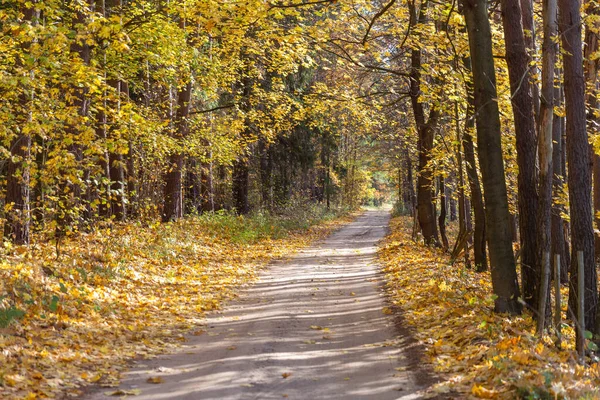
[502, 262]
[18, 219]
[518, 61]
[578, 160]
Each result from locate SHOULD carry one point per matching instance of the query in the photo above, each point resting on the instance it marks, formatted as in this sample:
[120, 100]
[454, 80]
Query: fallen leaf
[482, 392]
[123, 392]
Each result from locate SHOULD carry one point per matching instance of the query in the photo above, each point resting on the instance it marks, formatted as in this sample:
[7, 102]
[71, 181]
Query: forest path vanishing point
[313, 327]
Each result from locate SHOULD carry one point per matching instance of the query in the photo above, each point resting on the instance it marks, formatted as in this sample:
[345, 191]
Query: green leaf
[54, 304]
[9, 315]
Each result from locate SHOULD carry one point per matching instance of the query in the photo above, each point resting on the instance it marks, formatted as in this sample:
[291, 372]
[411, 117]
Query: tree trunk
[549, 51]
[463, 231]
[173, 193]
[117, 186]
[193, 187]
[426, 133]
[560, 245]
[530, 33]
[240, 185]
[479, 234]
[266, 167]
[502, 262]
[207, 202]
[408, 191]
[442, 217]
[18, 217]
[518, 61]
[578, 159]
[132, 182]
[591, 77]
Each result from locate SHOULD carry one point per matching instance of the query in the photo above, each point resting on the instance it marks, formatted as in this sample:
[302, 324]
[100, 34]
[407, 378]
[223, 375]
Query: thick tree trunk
[502, 261]
[578, 159]
[518, 61]
[173, 207]
[425, 187]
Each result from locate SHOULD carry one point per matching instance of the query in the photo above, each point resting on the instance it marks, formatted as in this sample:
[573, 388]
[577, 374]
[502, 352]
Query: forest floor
[316, 326]
[477, 353]
[76, 314]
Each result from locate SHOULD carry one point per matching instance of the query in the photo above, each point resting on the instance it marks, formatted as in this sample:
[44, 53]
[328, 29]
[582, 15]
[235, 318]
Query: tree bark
[591, 77]
[173, 192]
[578, 159]
[442, 217]
[544, 224]
[518, 61]
[426, 133]
[530, 36]
[479, 234]
[462, 203]
[408, 191]
[502, 261]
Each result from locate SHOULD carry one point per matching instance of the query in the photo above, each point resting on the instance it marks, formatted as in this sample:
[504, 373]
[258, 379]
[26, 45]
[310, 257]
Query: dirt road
[313, 327]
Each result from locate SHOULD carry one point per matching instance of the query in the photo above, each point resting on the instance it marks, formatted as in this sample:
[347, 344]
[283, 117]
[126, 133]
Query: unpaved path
[313, 327]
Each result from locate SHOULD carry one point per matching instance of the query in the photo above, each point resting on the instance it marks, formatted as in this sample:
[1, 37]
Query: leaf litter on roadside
[479, 353]
[118, 293]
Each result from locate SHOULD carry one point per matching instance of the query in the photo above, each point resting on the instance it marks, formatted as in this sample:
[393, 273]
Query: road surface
[315, 326]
